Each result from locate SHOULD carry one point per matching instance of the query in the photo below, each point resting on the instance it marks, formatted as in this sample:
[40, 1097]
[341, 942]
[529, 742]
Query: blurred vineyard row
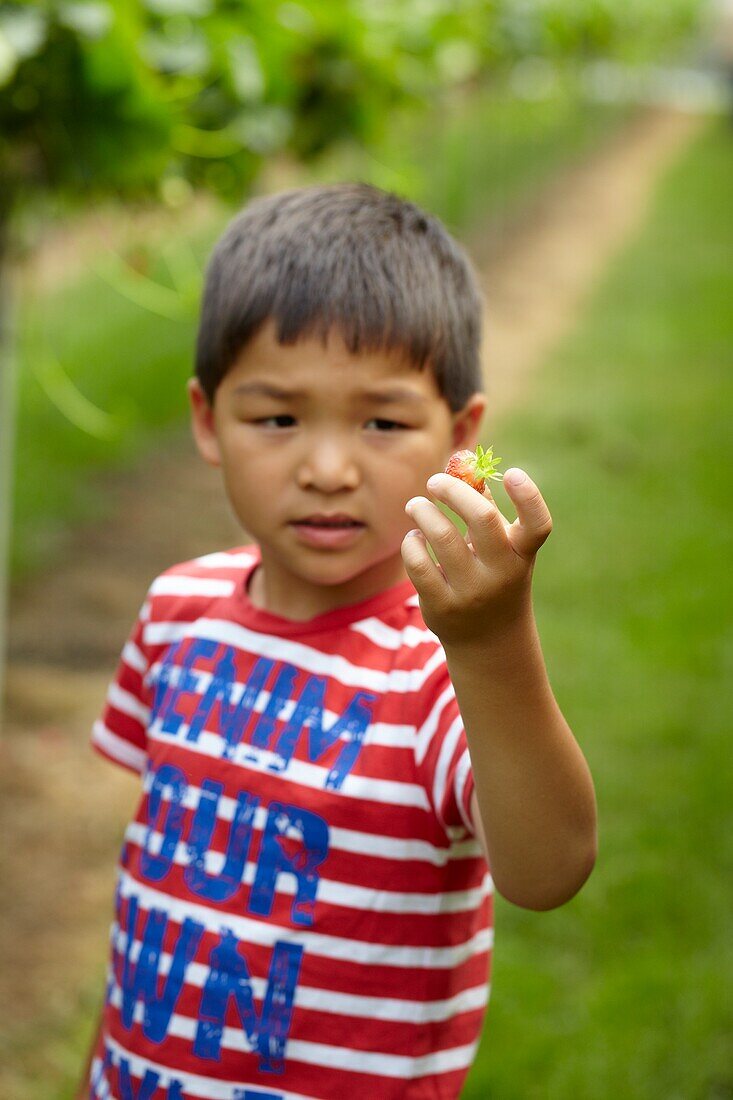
[155, 96]
[165, 100]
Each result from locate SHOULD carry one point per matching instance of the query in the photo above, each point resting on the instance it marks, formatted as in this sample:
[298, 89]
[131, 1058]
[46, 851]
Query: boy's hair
[383, 272]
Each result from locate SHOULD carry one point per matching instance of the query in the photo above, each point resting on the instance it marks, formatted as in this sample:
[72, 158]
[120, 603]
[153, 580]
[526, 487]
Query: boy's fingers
[443, 535]
[425, 574]
[485, 523]
[534, 522]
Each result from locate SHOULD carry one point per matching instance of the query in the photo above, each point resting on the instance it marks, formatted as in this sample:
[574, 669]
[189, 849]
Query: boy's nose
[328, 466]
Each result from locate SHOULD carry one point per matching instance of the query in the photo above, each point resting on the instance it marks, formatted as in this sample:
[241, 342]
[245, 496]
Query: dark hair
[386, 274]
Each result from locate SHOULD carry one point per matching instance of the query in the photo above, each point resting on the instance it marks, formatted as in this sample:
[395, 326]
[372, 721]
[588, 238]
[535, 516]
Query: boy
[337, 734]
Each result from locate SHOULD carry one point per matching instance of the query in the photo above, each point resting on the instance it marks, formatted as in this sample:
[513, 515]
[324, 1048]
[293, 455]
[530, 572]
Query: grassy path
[551, 974]
[539, 278]
[623, 992]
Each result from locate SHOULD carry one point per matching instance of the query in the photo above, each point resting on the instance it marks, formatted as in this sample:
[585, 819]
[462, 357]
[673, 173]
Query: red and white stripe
[393, 982]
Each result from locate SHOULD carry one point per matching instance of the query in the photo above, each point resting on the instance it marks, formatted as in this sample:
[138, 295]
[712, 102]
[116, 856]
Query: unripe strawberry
[474, 469]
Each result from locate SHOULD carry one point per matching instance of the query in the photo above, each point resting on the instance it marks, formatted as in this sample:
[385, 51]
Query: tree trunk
[7, 424]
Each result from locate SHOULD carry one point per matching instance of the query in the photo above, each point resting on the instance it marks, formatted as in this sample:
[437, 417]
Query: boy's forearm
[533, 786]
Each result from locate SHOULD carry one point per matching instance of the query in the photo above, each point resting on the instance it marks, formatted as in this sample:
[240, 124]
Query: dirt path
[537, 278]
[65, 808]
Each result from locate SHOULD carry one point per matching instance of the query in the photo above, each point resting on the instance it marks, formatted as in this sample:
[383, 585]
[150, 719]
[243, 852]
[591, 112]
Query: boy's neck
[319, 600]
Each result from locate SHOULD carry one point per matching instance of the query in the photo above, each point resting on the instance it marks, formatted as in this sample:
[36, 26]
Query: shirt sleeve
[120, 733]
[441, 752]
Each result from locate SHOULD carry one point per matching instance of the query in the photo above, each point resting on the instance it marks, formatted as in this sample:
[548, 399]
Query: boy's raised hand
[481, 584]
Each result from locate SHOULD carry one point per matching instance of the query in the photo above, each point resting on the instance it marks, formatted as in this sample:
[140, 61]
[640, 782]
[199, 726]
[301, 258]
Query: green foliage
[78, 110]
[633, 30]
[128, 95]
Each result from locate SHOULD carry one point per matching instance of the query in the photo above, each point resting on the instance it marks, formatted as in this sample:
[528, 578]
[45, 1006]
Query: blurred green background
[152, 122]
[164, 101]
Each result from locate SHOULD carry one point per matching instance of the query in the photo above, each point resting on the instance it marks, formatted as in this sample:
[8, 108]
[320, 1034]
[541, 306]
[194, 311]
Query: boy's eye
[268, 419]
[382, 425]
[386, 425]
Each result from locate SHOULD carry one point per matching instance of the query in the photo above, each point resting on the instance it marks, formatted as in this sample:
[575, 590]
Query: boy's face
[326, 446]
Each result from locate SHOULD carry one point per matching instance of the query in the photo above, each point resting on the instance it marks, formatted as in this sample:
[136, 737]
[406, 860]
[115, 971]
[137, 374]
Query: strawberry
[474, 469]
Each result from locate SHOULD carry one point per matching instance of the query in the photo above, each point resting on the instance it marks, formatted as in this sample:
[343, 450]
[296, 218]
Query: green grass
[477, 158]
[625, 991]
[129, 362]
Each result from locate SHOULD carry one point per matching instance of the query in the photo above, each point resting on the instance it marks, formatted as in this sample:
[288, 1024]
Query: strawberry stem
[486, 464]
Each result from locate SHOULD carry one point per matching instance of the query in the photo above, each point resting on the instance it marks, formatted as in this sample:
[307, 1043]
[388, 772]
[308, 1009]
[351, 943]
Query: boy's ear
[467, 423]
[202, 423]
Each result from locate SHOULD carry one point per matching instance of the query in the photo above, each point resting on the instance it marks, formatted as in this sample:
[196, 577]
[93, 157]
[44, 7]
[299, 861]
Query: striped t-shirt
[302, 908]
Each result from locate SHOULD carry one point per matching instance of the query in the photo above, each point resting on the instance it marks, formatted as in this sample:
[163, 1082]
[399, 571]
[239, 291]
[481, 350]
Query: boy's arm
[533, 805]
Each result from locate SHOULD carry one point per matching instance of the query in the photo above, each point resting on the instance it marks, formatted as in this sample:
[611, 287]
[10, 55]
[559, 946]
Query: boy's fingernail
[434, 481]
[515, 476]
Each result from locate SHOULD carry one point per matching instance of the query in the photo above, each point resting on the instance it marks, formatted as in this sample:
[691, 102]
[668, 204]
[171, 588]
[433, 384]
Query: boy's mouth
[334, 532]
[336, 520]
